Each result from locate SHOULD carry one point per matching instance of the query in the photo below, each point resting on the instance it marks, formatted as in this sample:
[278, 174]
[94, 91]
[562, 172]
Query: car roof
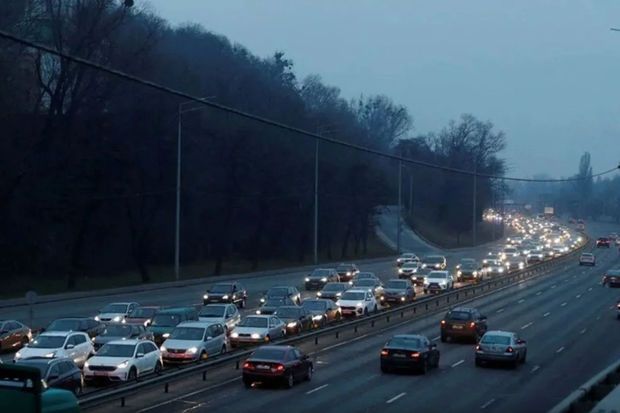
[196, 324]
[176, 310]
[499, 333]
[59, 333]
[444, 272]
[323, 300]
[121, 303]
[276, 347]
[129, 342]
[464, 309]
[410, 336]
[259, 316]
[357, 290]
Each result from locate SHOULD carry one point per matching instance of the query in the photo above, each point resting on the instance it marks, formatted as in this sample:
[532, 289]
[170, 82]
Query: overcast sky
[547, 72]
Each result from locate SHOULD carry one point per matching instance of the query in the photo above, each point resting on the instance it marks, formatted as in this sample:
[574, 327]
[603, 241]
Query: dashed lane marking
[317, 389]
[458, 363]
[393, 399]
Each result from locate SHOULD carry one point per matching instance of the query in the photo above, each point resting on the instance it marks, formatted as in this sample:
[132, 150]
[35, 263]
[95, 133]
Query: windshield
[188, 333]
[143, 312]
[166, 320]
[43, 341]
[114, 308]
[493, 339]
[364, 283]
[334, 287]
[458, 315]
[365, 275]
[314, 305]
[407, 342]
[268, 354]
[615, 273]
[468, 266]
[277, 292]
[116, 350]
[212, 311]
[276, 302]
[320, 273]
[119, 330]
[353, 296]
[344, 268]
[436, 274]
[254, 322]
[288, 312]
[396, 284]
[410, 265]
[221, 288]
[433, 259]
[64, 325]
[467, 261]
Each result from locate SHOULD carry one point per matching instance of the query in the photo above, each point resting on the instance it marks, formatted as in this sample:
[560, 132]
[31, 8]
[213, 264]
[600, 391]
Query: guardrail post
[122, 402]
[426, 305]
[316, 340]
[437, 303]
[414, 310]
[166, 388]
[204, 375]
[388, 319]
[372, 323]
[337, 334]
[237, 365]
[355, 329]
[402, 314]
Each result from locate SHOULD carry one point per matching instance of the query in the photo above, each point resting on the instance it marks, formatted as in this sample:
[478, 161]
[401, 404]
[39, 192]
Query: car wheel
[133, 375]
[158, 368]
[376, 309]
[524, 357]
[514, 364]
[309, 373]
[203, 355]
[290, 381]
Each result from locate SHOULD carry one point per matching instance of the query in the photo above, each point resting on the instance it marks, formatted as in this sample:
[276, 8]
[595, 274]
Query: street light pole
[474, 204]
[400, 205]
[316, 201]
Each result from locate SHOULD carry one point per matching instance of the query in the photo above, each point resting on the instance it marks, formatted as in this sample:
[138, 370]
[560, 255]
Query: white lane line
[561, 349]
[612, 307]
[554, 285]
[435, 338]
[500, 310]
[344, 343]
[206, 389]
[598, 317]
[535, 369]
[521, 301]
[523, 327]
[547, 314]
[487, 404]
[578, 296]
[458, 363]
[539, 293]
[590, 289]
[393, 399]
[563, 304]
[317, 389]
[322, 362]
[583, 331]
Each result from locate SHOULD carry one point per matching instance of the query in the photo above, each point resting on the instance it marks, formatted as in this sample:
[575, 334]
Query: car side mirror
[208, 338]
[69, 346]
[139, 355]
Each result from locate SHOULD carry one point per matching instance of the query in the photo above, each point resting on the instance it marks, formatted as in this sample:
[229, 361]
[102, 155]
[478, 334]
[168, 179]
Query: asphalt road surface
[568, 319]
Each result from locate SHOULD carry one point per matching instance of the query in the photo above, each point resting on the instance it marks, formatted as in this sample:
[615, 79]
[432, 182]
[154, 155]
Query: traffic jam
[126, 340]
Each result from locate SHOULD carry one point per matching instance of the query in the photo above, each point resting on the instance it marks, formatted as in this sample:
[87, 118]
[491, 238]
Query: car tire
[376, 309]
[290, 381]
[158, 368]
[132, 375]
[242, 305]
[514, 364]
[309, 373]
[366, 311]
[203, 356]
[524, 357]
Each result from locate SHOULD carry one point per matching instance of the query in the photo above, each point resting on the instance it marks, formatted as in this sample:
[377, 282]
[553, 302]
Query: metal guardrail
[585, 398]
[418, 309]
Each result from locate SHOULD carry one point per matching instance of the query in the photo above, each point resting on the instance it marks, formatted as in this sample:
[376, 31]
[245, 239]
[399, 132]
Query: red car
[603, 242]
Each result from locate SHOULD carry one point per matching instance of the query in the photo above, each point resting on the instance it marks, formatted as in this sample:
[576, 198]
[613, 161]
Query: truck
[22, 390]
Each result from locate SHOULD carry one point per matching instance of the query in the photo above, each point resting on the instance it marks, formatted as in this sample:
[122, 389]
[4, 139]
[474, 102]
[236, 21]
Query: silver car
[226, 314]
[194, 340]
[501, 346]
[256, 329]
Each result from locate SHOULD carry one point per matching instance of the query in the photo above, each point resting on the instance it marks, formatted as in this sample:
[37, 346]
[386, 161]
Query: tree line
[88, 161]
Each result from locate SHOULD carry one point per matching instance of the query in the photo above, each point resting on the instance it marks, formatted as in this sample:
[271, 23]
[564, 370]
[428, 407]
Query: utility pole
[473, 218]
[177, 227]
[400, 205]
[316, 201]
[411, 194]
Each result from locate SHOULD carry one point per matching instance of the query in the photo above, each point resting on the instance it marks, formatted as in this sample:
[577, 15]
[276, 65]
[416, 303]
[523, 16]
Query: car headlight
[165, 335]
[225, 297]
[97, 318]
[443, 282]
[50, 355]
[117, 319]
[123, 365]
[319, 294]
[262, 300]
[317, 317]
[146, 322]
[18, 355]
[192, 350]
[257, 312]
[307, 279]
[86, 365]
[501, 269]
[400, 270]
[255, 335]
[458, 272]
[234, 335]
[423, 265]
[338, 294]
[206, 296]
[292, 325]
[124, 321]
[92, 339]
[163, 349]
[324, 279]
[521, 265]
[359, 305]
[402, 298]
[475, 273]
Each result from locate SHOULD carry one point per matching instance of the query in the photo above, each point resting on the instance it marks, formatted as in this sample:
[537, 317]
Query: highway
[568, 319]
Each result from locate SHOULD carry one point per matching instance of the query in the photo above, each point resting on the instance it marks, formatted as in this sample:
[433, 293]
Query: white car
[226, 314]
[357, 302]
[123, 360]
[407, 257]
[587, 258]
[194, 340]
[437, 281]
[115, 312]
[73, 345]
[257, 329]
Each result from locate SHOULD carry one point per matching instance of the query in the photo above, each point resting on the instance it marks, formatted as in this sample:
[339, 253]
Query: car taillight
[472, 325]
[415, 355]
[278, 368]
[443, 323]
[385, 352]
[478, 347]
[509, 350]
[248, 366]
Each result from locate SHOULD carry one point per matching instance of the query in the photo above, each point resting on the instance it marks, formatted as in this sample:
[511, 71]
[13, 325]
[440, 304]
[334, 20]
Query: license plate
[402, 356]
[100, 373]
[457, 327]
[262, 367]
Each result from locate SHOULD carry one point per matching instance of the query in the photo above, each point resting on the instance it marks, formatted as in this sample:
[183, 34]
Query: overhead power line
[122, 75]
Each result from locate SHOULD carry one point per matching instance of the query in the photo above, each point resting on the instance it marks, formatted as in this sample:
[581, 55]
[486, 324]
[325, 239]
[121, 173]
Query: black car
[347, 271]
[612, 278]
[297, 319]
[409, 352]
[322, 311]
[463, 322]
[398, 292]
[469, 271]
[603, 242]
[59, 373]
[280, 364]
[226, 292]
[282, 291]
[333, 291]
[319, 277]
[84, 324]
[122, 332]
[272, 304]
[420, 275]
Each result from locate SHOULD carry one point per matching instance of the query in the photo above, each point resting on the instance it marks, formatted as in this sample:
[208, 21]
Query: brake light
[248, 366]
[443, 321]
[384, 352]
[472, 325]
[509, 350]
[415, 355]
[278, 369]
